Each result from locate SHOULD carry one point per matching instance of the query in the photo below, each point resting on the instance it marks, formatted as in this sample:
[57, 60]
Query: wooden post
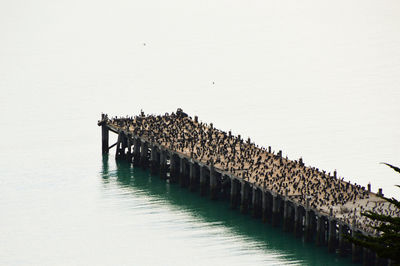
[244, 197]
[192, 176]
[286, 207]
[355, 249]
[308, 232]
[213, 183]
[143, 154]
[124, 144]
[254, 202]
[234, 193]
[136, 151]
[186, 173]
[256, 211]
[202, 181]
[275, 211]
[104, 135]
[289, 216]
[118, 146]
[298, 219]
[342, 240]
[121, 146]
[163, 164]
[182, 173]
[264, 208]
[332, 235]
[129, 152]
[365, 259]
[154, 159]
[320, 238]
[173, 166]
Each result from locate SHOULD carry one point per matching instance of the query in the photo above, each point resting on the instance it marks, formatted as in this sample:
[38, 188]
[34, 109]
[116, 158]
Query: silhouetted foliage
[387, 244]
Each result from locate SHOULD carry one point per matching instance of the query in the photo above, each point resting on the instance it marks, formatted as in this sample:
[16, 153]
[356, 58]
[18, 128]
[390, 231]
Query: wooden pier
[250, 187]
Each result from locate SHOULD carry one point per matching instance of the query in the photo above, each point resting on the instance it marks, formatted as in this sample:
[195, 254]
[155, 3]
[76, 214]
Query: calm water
[316, 78]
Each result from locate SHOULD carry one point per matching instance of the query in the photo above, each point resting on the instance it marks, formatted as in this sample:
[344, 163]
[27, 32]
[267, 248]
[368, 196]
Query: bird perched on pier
[179, 132]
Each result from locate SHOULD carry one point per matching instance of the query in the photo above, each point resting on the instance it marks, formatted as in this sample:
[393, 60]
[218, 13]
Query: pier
[320, 207]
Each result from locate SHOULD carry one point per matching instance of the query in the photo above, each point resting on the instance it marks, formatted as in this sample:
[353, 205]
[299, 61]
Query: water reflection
[215, 216]
[104, 172]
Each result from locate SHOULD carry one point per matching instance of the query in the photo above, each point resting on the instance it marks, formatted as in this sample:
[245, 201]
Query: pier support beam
[298, 221]
[163, 164]
[342, 240]
[320, 237]
[121, 145]
[104, 135]
[285, 223]
[308, 230]
[355, 249]
[182, 172]
[264, 203]
[368, 258]
[143, 155]
[213, 183]
[173, 168]
[124, 145]
[118, 147]
[256, 203]
[267, 207]
[355, 253]
[332, 235]
[136, 151]
[128, 155]
[382, 261]
[287, 217]
[154, 164]
[275, 210]
[203, 182]
[234, 193]
[244, 197]
[192, 175]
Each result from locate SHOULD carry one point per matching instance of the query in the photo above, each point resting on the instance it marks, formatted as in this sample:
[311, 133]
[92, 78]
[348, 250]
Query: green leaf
[397, 169]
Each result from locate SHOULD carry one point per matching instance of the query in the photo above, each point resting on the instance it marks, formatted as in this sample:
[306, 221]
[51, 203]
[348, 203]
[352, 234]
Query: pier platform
[311, 203]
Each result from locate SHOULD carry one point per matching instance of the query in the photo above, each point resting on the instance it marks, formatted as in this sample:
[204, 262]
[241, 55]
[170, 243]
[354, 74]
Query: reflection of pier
[279, 210]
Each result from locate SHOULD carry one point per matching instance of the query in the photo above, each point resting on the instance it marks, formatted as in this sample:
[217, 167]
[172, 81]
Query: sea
[316, 79]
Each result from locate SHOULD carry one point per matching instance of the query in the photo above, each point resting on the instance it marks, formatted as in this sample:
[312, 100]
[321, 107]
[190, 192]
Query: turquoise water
[62, 203]
[205, 224]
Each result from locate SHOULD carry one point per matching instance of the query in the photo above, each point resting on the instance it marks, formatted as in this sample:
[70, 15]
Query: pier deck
[292, 193]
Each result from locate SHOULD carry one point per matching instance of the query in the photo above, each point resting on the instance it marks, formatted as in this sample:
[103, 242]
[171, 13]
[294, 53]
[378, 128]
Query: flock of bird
[259, 165]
